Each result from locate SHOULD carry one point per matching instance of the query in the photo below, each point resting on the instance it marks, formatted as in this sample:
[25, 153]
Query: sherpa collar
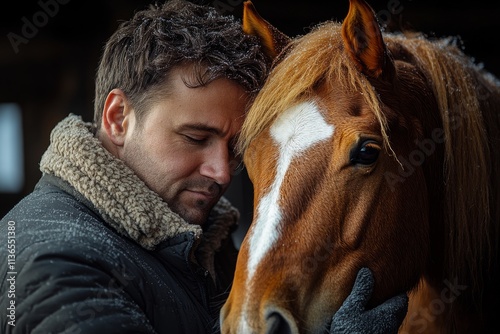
[124, 201]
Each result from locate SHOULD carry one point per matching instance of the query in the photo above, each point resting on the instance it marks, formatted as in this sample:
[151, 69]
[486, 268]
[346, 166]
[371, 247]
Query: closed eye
[195, 139]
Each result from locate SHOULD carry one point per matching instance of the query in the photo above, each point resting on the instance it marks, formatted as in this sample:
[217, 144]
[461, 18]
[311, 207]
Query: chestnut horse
[369, 149]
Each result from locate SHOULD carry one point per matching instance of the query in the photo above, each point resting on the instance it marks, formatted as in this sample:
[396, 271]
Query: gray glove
[353, 318]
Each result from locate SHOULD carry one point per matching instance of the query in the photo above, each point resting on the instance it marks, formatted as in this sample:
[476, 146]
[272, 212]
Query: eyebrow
[206, 128]
[201, 127]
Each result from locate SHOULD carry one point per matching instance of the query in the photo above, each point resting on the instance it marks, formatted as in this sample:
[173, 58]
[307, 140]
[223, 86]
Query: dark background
[52, 74]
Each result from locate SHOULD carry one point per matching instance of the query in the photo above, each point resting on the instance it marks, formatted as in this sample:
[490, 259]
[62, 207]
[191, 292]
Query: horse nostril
[278, 324]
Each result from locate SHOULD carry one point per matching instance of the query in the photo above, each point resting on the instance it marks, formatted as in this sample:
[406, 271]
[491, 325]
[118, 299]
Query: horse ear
[273, 40]
[363, 40]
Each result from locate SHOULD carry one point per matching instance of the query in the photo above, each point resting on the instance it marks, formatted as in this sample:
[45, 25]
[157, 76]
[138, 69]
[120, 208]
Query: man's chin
[194, 208]
[192, 215]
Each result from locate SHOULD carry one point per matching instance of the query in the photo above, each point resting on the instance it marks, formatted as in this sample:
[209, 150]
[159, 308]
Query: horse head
[342, 146]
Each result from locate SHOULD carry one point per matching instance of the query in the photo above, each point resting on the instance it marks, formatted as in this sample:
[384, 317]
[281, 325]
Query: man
[127, 230]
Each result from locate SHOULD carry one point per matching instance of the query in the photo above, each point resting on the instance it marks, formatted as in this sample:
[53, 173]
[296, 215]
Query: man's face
[183, 150]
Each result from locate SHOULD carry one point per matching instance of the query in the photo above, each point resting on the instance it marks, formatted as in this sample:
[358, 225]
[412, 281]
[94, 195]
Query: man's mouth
[205, 196]
[203, 193]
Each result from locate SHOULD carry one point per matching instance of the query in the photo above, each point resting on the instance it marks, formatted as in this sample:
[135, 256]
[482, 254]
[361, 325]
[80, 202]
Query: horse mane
[467, 167]
[470, 235]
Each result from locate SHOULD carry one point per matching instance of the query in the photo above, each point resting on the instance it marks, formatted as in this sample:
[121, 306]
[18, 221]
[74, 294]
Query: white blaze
[296, 130]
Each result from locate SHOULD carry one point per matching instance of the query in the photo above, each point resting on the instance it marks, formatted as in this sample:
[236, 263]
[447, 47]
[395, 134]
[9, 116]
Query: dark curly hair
[141, 53]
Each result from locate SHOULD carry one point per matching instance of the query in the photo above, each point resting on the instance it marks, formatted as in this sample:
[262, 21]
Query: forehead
[220, 104]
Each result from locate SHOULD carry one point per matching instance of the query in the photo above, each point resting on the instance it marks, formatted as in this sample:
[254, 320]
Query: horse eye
[366, 153]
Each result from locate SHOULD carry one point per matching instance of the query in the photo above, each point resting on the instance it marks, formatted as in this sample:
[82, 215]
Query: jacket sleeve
[62, 294]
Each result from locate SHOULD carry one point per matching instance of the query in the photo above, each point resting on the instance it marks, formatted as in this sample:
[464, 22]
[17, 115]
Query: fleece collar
[125, 202]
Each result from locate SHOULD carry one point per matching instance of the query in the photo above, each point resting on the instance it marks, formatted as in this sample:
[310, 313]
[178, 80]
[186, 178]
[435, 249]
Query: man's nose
[217, 166]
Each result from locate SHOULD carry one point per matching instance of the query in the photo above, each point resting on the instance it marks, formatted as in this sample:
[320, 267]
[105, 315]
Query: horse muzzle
[280, 322]
[274, 321]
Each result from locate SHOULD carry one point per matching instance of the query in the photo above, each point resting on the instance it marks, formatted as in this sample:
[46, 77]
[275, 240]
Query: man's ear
[116, 117]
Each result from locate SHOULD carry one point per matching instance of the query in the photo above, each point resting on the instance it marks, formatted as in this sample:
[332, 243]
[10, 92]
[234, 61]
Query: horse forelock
[315, 58]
